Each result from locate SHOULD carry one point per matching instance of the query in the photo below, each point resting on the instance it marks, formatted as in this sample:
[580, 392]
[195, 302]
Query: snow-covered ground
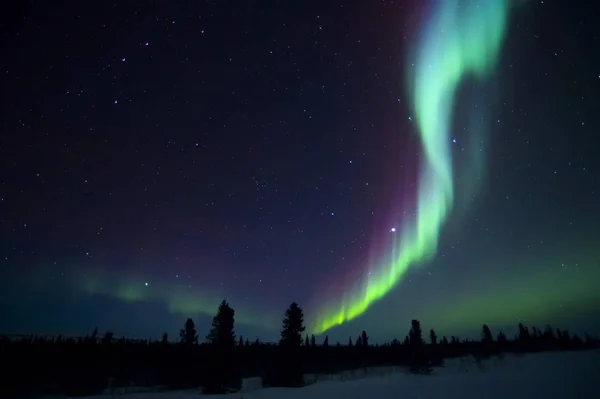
[545, 375]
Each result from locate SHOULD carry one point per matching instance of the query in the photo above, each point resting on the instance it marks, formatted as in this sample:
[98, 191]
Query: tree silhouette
[417, 354]
[165, 339]
[358, 341]
[432, 337]
[350, 341]
[188, 333]
[306, 341]
[313, 340]
[326, 341]
[523, 333]
[222, 332]
[289, 369]
[486, 334]
[415, 334]
[293, 326]
[241, 342]
[364, 338]
[221, 373]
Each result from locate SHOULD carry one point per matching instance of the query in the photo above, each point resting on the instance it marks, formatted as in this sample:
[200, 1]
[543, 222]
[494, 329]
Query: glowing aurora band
[459, 38]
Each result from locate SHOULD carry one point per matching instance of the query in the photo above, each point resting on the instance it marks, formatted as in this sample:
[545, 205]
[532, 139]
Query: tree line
[92, 364]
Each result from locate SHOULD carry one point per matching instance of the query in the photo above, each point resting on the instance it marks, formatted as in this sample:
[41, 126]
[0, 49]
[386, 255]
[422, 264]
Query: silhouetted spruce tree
[417, 357]
[188, 333]
[222, 375]
[241, 342]
[486, 334]
[432, 337]
[313, 340]
[222, 332]
[289, 371]
[406, 341]
[293, 327]
[165, 339]
[523, 333]
[326, 341]
[453, 340]
[415, 334]
[306, 341]
[247, 342]
[350, 341]
[364, 338]
[358, 341]
[444, 340]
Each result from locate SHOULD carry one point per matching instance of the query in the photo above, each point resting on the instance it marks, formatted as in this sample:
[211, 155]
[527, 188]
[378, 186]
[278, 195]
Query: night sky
[375, 161]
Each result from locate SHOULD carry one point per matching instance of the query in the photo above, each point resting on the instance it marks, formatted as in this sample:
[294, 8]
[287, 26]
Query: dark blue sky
[157, 158]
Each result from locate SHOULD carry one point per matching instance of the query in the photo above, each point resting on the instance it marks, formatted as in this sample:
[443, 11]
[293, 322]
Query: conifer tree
[364, 338]
[326, 341]
[432, 337]
[523, 333]
[350, 341]
[306, 341]
[293, 327]
[486, 334]
[188, 333]
[415, 335]
[313, 340]
[222, 332]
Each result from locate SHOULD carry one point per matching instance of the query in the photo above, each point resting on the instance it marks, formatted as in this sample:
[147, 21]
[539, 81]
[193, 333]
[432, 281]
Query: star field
[157, 158]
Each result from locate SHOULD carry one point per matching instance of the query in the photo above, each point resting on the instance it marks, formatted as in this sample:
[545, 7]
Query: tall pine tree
[293, 327]
[432, 337]
[188, 333]
[486, 334]
[415, 334]
[222, 332]
[222, 375]
[364, 338]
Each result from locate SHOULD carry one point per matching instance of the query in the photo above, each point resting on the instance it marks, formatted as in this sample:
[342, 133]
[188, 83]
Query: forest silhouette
[93, 364]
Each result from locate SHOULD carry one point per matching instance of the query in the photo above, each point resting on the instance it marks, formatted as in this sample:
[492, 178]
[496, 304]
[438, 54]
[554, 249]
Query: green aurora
[458, 40]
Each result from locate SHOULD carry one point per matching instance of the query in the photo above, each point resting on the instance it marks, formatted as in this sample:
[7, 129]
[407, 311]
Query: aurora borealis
[457, 40]
[432, 160]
